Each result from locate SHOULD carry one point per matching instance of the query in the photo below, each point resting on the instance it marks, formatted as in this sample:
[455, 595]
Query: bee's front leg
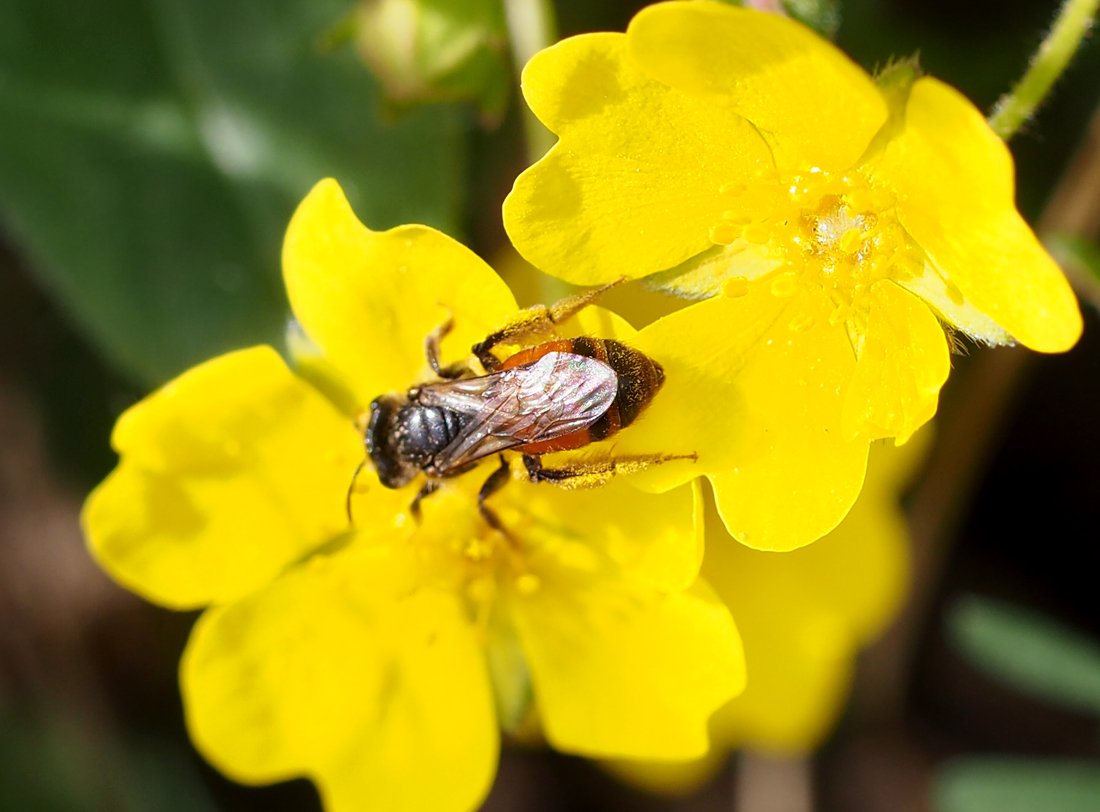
[430, 487]
[536, 320]
[431, 350]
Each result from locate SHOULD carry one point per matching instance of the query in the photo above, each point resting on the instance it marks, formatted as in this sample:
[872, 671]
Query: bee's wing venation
[464, 395]
[558, 394]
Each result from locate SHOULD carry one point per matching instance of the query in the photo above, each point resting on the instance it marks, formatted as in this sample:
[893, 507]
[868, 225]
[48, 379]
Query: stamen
[835, 234]
[478, 549]
[480, 590]
[850, 240]
[736, 287]
[724, 233]
[801, 323]
[528, 584]
[735, 217]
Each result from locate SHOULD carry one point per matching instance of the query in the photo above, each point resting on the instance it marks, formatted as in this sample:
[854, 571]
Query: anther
[850, 240]
[724, 233]
[801, 323]
[840, 314]
[736, 287]
[527, 584]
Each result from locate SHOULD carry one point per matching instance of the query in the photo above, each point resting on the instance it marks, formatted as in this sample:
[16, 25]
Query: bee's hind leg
[536, 320]
[597, 472]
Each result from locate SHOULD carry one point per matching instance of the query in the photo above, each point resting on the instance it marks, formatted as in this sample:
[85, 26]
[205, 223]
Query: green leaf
[153, 150]
[1029, 652]
[53, 758]
[1017, 785]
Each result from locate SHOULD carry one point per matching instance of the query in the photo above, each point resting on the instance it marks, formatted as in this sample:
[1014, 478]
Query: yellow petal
[343, 672]
[903, 362]
[954, 177]
[755, 385]
[720, 269]
[813, 105]
[800, 672]
[796, 475]
[657, 538]
[636, 181]
[228, 474]
[862, 569]
[943, 297]
[700, 407]
[620, 669]
[369, 298]
[673, 778]
[804, 614]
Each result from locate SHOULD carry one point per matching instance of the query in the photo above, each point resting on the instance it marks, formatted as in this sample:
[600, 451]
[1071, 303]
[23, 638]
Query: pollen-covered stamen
[478, 550]
[493, 562]
[849, 237]
[840, 246]
[836, 234]
[485, 561]
[837, 229]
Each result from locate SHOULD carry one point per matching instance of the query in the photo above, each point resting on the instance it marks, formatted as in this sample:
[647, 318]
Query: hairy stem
[1070, 27]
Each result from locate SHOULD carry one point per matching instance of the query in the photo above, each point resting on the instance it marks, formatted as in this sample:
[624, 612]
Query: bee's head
[384, 441]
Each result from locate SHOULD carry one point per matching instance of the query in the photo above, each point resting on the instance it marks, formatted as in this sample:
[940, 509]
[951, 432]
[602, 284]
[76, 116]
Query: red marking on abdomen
[567, 442]
[607, 424]
[532, 354]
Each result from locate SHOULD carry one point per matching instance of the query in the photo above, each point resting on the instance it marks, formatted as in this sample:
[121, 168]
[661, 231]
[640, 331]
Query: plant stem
[775, 783]
[1069, 29]
[531, 28]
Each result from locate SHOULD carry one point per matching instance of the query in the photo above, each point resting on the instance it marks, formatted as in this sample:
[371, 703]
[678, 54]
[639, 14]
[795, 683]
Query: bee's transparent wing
[558, 394]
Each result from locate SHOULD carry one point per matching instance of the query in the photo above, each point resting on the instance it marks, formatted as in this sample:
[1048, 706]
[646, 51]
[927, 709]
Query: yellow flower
[804, 616]
[378, 660]
[835, 222]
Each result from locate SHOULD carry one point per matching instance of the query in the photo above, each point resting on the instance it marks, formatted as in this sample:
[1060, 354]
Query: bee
[556, 396]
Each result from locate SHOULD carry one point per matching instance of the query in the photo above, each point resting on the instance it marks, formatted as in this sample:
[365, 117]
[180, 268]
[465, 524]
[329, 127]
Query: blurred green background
[151, 152]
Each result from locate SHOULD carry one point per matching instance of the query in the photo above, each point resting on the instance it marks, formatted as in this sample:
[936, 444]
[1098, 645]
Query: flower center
[837, 234]
[456, 542]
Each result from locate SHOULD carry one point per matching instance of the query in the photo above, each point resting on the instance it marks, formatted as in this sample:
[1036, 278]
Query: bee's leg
[351, 490]
[597, 472]
[536, 320]
[431, 350]
[430, 487]
[497, 480]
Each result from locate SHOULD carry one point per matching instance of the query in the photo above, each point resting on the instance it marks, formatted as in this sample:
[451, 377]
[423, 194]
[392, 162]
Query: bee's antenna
[351, 489]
